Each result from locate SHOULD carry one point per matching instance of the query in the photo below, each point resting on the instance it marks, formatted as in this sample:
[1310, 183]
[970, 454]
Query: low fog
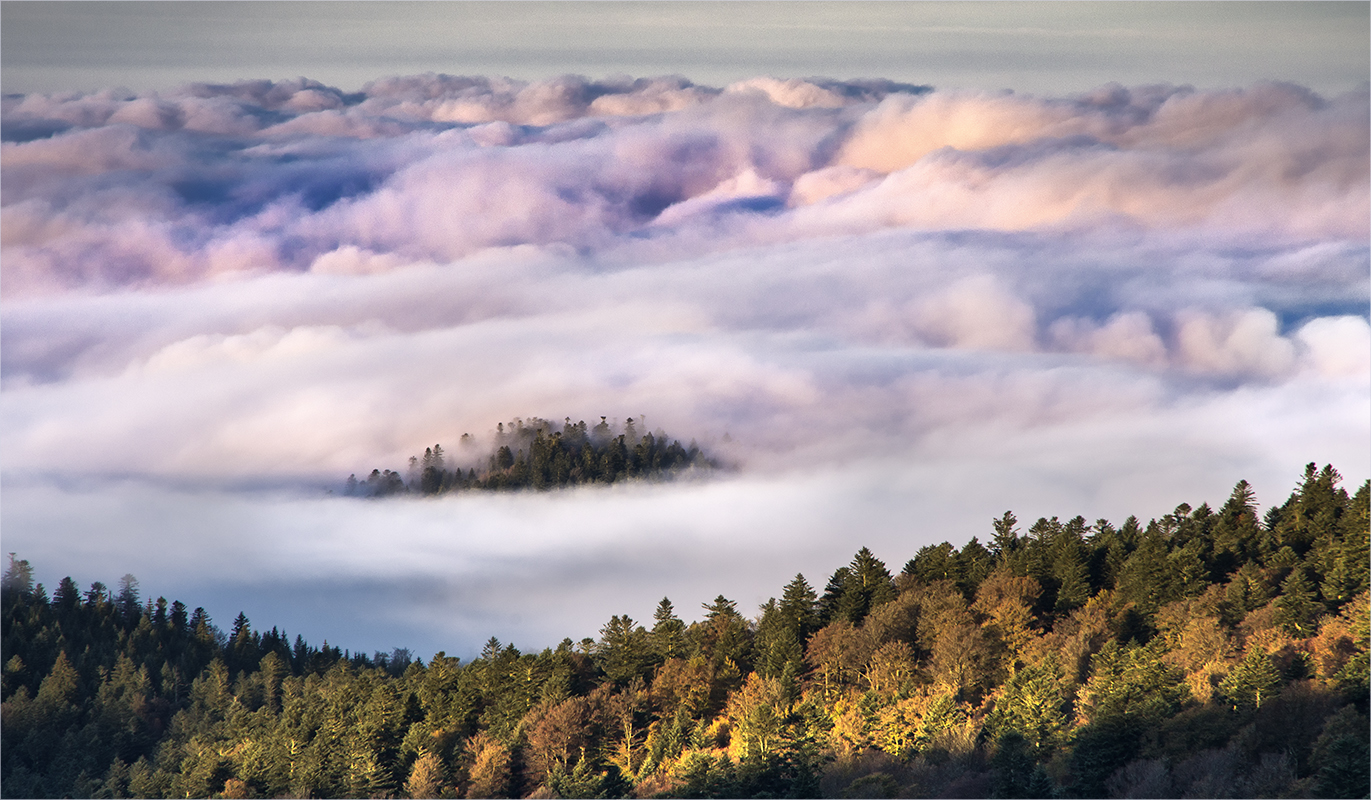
[896, 312]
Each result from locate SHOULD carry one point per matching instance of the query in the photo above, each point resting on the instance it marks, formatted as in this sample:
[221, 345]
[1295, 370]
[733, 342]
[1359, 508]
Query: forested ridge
[534, 454]
[1213, 652]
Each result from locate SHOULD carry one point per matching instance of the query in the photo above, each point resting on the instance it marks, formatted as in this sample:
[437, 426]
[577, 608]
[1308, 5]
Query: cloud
[1128, 336]
[879, 303]
[1244, 342]
[976, 313]
[271, 176]
[1336, 346]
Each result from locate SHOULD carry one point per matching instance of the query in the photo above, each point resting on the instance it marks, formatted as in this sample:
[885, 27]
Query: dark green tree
[1014, 772]
[866, 585]
[668, 632]
[1070, 572]
[800, 607]
[1006, 539]
[1296, 609]
[624, 651]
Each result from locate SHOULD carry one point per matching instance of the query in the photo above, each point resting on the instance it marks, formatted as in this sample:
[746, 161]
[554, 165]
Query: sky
[902, 266]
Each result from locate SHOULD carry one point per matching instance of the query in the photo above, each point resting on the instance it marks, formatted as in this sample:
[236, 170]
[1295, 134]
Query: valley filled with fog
[896, 311]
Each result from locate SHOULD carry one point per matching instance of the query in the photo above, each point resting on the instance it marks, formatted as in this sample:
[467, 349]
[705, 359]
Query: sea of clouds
[896, 311]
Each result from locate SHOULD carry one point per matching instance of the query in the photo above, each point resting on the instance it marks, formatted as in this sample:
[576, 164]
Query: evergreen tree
[866, 585]
[1133, 680]
[1006, 539]
[624, 651]
[1101, 747]
[800, 607]
[1146, 579]
[833, 593]
[18, 578]
[668, 632]
[1014, 772]
[777, 644]
[105, 695]
[1069, 570]
[1254, 681]
[725, 635]
[1236, 531]
[1032, 707]
[1296, 609]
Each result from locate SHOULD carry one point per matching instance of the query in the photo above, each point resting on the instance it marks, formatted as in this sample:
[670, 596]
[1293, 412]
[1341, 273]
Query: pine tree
[800, 607]
[833, 593]
[1006, 539]
[668, 632]
[1032, 706]
[1355, 549]
[1236, 532]
[18, 578]
[1296, 609]
[1146, 577]
[867, 585]
[1070, 572]
[1014, 773]
[1253, 681]
[1134, 681]
[725, 634]
[624, 650]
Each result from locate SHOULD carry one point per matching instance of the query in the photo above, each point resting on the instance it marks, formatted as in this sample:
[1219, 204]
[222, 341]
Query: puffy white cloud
[1127, 335]
[1245, 342]
[976, 313]
[1336, 346]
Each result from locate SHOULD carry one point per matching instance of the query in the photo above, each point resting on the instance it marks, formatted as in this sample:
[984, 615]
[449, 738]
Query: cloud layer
[1099, 304]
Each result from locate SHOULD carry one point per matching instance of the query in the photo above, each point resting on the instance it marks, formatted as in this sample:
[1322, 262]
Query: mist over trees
[536, 454]
[1212, 652]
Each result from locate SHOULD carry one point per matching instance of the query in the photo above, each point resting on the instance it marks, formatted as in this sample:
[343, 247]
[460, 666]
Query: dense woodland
[534, 454]
[1214, 652]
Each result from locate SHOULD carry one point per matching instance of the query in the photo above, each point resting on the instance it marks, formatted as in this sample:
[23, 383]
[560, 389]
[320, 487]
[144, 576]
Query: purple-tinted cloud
[882, 303]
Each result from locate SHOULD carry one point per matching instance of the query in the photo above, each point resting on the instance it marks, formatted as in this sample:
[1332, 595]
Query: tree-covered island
[538, 454]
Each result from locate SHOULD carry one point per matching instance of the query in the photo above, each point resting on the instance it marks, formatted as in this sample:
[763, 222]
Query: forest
[1212, 652]
[534, 454]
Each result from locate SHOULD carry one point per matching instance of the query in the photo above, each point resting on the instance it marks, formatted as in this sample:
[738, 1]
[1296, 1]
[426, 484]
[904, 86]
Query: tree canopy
[538, 454]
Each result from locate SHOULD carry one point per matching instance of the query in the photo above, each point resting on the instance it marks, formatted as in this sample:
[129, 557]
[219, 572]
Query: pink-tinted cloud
[874, 300]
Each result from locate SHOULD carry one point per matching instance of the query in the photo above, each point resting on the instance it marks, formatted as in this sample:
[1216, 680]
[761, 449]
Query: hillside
[1213, 652]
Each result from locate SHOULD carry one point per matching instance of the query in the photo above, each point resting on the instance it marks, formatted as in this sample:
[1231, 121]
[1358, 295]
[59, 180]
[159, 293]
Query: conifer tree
[1014, 771]
[1006, 539]
[866, 585]
[1236, 532]
[833, 592]
[1146, 577]
[108, 697]
[668, 632]
[1296, 609]
[1070, 572]
[1032, 706]
[724, 634]
[18, 578]
[624, 650]
[1253, 681]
